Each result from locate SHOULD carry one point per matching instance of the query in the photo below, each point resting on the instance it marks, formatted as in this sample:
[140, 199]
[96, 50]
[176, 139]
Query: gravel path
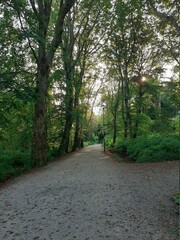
[90, 196]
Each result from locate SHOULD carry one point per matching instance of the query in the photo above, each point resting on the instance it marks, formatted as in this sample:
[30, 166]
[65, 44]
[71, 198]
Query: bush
[88, 143]
[151, 148]
[121, 145]
[154, 148]
[109, 142]
[13, 163]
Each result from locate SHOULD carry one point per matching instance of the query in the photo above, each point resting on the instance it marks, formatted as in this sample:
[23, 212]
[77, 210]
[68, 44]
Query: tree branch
[168, 18]
[63, 10]
[29, 42]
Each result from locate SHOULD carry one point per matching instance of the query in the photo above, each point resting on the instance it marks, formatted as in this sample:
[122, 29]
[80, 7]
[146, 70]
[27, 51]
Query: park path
[88, 195]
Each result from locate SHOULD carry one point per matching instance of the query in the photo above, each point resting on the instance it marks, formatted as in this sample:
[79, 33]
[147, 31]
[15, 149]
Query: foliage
[106, 48]
[176, 125]
[145, 123]
[88, 143]
[176, 198]
[13, 163]
[109, 142]
[150, 148]
[121, 145]
[16, 123]
[154, 148]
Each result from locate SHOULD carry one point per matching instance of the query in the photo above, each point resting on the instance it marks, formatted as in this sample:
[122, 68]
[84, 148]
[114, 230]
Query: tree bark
[139, 111]
[64, 146]
[77, 136]
[39, 124]
[77, 141]
[115, 114]
[114, 127]
[125, 107]
[124, 111]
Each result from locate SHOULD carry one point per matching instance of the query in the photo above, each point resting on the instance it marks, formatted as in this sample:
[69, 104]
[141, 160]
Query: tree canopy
[61, 59]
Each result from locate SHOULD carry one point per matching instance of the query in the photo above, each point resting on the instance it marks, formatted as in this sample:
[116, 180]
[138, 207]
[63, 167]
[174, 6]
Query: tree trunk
[44, 61]
[64, 146]
[123, 110]
[77, 137]
[115, 113]
[139, 110]
[77, 143]
[39, 125]
[115, 119]
[69, 99]
[127, 106]
[115, 128]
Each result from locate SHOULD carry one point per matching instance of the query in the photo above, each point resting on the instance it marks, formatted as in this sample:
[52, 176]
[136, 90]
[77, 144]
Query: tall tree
[132, 51]
[81, 41]
[43, 41]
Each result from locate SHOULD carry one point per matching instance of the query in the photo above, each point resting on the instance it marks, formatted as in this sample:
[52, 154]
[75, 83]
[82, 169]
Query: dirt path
[90, 196]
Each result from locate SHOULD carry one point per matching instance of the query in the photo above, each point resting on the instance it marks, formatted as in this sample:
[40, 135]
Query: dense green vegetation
[150, 148]
[60, 59]
[13, 163]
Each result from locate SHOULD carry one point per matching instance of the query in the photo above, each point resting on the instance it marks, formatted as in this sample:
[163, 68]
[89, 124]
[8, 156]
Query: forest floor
[88, 195]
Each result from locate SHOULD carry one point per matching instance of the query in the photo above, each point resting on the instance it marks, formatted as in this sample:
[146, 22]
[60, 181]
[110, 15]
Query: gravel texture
[88, 195]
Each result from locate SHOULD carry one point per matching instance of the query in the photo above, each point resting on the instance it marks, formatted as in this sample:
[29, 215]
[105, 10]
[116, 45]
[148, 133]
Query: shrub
[154, 148]
[121, 145]
[88, 143]
[6, 171]
[151, 148]
[13, 163]
[108, 142]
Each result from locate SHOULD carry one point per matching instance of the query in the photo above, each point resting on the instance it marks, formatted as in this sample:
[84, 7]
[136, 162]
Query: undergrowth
[13, 163]
[151, 148]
